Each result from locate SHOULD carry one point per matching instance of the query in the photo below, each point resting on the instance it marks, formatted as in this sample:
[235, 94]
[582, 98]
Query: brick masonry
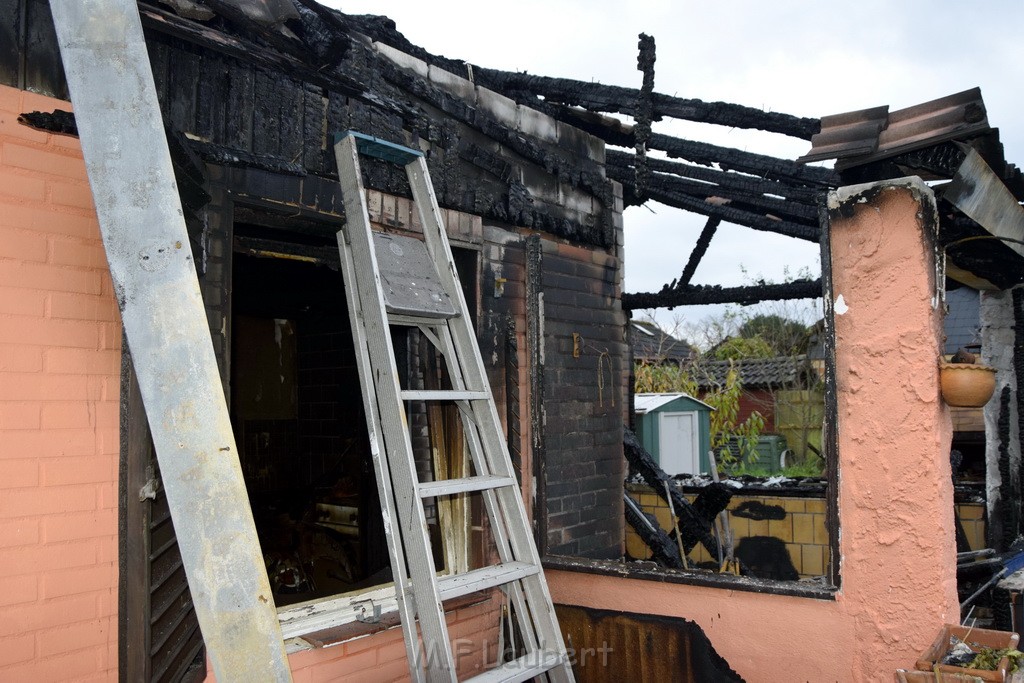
[60, 340]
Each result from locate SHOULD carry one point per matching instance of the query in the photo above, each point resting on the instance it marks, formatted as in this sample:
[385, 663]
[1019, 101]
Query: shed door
[679, 443]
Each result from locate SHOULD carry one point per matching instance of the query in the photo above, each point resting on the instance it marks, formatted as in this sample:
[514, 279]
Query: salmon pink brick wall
[60, 340]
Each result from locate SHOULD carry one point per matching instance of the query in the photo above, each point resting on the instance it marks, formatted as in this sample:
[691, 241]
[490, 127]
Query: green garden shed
[676, 429]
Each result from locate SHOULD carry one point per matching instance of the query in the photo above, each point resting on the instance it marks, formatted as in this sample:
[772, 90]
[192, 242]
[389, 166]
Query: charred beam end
[665, 550]
[617, 99]
[694, 295]
[56, 121]
[642, 131]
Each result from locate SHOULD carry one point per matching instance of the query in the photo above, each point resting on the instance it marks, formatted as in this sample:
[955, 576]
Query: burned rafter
[694, 295]
[699, 249]
[695, 521]
[617, 134]
[621, 100]
[642, 131]
[739, 216]
[755, 203]
[664, 550]
[741, 182]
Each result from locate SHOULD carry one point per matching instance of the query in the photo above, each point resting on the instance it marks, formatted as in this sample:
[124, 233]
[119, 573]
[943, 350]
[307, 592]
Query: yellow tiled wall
[972, 517]
[803, 530]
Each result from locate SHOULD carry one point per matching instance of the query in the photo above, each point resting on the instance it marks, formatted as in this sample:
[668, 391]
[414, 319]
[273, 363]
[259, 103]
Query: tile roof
[651, 343]
[859, 137]
[756, 372]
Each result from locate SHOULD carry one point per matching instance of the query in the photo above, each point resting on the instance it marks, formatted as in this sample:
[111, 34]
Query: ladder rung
[417, 320]
[457, 585]
[445, 395]
[522, 669]
[446, 487]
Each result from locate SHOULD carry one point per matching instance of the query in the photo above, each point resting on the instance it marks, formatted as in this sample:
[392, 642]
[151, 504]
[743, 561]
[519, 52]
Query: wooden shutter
[159, 633]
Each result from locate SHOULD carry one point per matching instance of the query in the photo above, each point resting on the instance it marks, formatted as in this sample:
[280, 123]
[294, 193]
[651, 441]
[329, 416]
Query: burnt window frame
[246, 193]
[804, 589]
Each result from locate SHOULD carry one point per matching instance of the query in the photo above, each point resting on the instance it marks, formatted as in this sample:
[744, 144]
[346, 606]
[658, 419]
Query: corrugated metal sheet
[612, 647]
[867, 135]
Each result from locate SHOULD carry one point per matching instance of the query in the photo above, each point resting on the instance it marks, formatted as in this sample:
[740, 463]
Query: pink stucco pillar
[897, 542]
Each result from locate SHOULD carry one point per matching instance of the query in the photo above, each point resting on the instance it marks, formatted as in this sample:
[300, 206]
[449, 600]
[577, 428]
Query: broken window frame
[804, 589]
[325, 621]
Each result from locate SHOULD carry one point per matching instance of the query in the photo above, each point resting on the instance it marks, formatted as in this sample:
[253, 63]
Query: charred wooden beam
[726, 158]
[735, 215]
[642, 131]
[665, 550]
[695, 295]
[229, 156]
[746, 162]
[699, 249]
[736, 181]
[264, 248]
[695, 528]
[757, 204]
[617, 99]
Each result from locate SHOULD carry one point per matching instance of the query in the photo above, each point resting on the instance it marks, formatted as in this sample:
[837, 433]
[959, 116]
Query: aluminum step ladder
[401, 281]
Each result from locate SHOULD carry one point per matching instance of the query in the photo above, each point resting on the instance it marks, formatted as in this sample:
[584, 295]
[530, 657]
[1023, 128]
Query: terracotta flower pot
[966, 385]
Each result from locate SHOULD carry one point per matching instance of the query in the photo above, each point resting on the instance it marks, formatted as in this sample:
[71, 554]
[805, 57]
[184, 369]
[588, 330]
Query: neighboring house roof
[651, 343]
[756, 372]
[962, 324]
[645, 403]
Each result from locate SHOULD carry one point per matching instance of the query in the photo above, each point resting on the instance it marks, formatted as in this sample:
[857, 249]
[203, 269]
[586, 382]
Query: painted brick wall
[585, 369]
[60, 339]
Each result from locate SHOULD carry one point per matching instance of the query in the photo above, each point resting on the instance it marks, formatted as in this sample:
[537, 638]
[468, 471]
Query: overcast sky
[799, 57]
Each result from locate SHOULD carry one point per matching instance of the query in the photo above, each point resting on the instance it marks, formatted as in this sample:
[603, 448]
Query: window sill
[647, 572]
[328, 622]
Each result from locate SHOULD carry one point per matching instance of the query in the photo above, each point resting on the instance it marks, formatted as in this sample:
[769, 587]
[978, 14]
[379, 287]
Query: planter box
[973, 637]
[903, 676]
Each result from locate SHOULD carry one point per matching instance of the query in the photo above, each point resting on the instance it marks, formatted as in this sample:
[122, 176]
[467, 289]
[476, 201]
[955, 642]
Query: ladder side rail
[440, 664]
[521, 539]
[404, 597]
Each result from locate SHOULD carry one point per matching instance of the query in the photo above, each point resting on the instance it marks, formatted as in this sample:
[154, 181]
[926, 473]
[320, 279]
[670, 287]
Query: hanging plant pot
[966, 385]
